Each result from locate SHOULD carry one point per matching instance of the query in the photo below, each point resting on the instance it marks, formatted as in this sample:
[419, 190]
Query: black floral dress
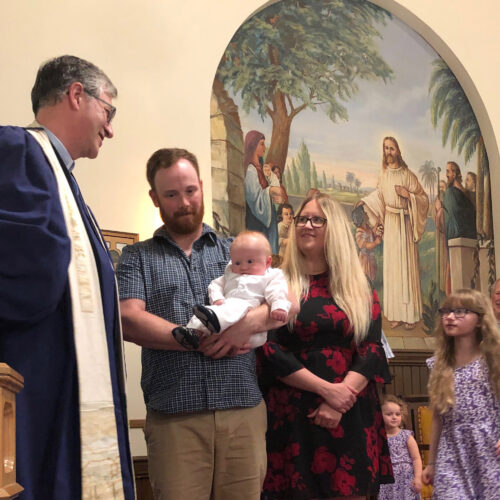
[304, 460]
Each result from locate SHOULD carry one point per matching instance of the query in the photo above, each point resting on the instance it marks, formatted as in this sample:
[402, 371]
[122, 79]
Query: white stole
[100, 457]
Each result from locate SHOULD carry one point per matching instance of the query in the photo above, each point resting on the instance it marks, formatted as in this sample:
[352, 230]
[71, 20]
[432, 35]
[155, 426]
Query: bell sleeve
[369, 359]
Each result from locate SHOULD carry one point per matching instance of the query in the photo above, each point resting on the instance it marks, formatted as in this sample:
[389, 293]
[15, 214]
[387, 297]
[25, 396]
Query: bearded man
[456, 213]
[206, 421]
[398, 207]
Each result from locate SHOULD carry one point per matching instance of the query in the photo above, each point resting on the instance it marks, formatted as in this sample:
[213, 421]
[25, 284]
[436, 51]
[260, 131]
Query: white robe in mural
[404, 223]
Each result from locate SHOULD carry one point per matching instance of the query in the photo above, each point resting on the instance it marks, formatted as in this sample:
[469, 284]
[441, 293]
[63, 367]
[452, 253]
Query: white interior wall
[162, 56]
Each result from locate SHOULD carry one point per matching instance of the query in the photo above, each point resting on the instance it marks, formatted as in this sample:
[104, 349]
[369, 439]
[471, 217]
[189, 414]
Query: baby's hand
[279, 315]
[218, 302]
[497, 447]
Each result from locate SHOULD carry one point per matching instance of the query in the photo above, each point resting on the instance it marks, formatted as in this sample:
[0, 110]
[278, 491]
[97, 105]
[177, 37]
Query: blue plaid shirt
[158, 272]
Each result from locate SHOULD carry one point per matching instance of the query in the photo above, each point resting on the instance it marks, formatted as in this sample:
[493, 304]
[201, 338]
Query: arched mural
[343, 97]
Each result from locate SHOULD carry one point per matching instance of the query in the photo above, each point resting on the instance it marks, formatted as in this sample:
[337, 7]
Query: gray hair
[56, 75]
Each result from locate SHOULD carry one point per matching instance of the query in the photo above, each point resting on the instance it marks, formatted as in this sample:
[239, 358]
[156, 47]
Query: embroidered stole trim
[100, 457]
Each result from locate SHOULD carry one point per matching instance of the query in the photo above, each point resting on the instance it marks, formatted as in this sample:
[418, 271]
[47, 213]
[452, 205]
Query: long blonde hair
[441, 381]
[348, 283]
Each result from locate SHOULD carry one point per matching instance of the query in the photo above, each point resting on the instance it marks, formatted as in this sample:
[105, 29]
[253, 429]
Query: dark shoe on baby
[187, 337]
[207, 317]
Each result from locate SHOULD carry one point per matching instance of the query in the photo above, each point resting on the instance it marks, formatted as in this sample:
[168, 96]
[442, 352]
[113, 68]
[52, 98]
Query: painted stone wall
[228, 190]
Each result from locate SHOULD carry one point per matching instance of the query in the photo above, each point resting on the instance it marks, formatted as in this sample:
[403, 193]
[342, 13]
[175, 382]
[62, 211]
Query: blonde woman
[464, 386]
[326, 437]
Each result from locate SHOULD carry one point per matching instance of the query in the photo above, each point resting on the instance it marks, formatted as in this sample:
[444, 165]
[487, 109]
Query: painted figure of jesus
[400, 205]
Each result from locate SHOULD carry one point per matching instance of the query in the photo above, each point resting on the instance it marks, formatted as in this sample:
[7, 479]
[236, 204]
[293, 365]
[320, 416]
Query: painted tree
[304, 166]
[357, 183]
[350, 178]
[314, 180]
[303, 54]
[325, 183]
[429, 176]
[459, 124]
[287, 180]
[296, 178]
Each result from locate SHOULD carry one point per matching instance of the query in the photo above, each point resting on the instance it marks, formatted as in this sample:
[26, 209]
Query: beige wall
[162, 55]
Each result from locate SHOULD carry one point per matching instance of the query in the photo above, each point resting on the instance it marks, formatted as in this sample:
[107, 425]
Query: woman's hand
[339, 396]
[325, 416]
[428, 474]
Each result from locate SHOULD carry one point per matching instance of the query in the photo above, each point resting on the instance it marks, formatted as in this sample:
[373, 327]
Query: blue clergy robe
[36, 327]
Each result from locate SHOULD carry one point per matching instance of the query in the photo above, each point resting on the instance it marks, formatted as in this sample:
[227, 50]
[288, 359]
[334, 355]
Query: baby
[247, 282]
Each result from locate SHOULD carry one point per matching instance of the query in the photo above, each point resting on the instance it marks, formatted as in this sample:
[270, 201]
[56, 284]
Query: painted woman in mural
[260, 213]
[399, 205]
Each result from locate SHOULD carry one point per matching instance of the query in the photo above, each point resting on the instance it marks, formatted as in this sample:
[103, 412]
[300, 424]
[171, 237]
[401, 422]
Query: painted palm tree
[429, 176]
[459, 125]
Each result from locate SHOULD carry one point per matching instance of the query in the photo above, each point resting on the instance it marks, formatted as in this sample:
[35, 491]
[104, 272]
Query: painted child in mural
[260, 213]
[285, 219]
[248, 281]
[367, 240]
[399, 205]
[276, 170]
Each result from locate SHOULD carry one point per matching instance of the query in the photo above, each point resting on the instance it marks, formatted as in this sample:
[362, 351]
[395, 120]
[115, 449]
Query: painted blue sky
[399, 108]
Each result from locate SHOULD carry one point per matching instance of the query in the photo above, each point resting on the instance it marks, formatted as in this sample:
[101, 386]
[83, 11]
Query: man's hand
[325, 416]
[218, 302]
[279, 315]
[428, 474]
[230, 342]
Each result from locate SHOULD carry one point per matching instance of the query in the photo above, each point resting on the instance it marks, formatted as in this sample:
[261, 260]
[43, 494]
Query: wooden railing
[11, 383]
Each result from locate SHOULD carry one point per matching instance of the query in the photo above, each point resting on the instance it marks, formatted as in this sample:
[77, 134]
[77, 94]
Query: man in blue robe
[59, 320]
[456, 214]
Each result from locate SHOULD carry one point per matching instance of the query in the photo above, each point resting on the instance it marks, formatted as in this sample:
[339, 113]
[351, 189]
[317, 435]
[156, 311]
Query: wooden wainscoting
[409, 373]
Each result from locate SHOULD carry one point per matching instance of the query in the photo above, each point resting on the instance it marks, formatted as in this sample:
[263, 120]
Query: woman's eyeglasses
[316, 221]
[459, 312]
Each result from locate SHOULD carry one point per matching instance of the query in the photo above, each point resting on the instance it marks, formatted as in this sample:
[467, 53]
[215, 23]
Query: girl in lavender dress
[405, 456]
[464, 385]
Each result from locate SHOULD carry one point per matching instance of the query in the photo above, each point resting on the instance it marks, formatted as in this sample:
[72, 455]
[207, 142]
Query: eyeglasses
[110, 109]
[459, 312]
[316, 221]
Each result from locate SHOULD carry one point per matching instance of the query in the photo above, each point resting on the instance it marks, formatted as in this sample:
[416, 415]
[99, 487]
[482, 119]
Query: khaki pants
[212, 455]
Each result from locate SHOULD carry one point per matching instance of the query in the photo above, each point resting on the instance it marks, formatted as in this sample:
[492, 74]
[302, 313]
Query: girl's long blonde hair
[441, 381]
[348, 283]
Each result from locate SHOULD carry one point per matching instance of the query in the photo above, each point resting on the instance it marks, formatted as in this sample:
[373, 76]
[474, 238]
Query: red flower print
[269, 349]
[337, 362]
[323, 461]
[306, 332]
[371, 443]
[276, 461]
[320, 291]
[292, 450]
[375, 307]
[338, 432]
[346, 462]
[343, 482]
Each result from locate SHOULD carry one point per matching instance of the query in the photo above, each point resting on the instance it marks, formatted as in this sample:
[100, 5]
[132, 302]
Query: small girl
[464, 385]
[405, 456]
